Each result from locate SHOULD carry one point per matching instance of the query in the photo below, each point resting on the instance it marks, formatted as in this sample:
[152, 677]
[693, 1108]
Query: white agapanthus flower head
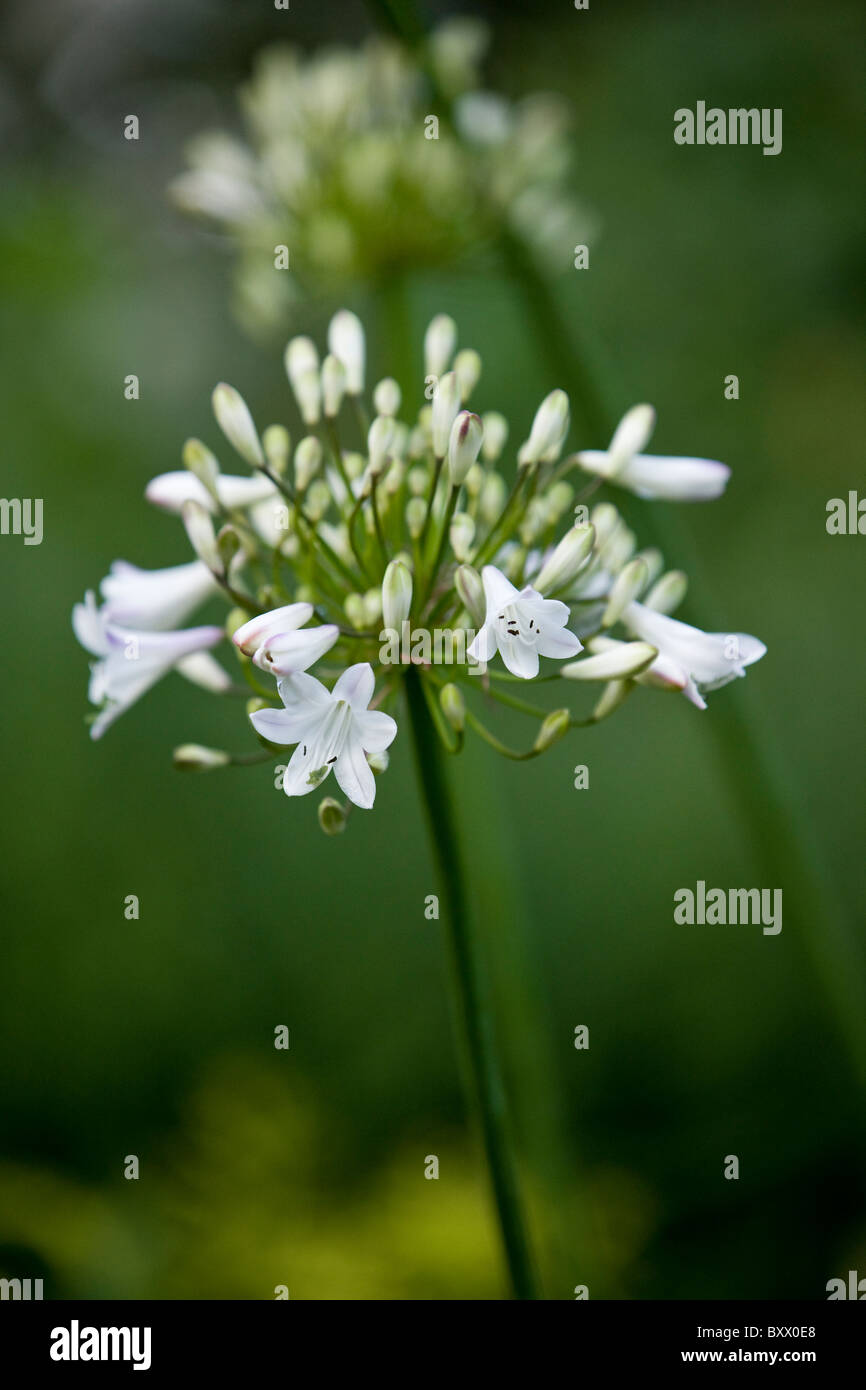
[339, 164]
[400, 554]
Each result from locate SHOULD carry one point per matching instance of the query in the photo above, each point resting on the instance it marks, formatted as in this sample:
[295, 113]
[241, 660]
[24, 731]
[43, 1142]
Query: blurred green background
[155, 1037]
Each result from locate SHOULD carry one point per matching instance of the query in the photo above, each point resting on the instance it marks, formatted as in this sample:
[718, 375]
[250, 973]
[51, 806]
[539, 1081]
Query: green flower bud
[611, 698]
[236, 618]
[332, 816]
[228, 544]
[453, 706]
[199, 460]
[555, 726]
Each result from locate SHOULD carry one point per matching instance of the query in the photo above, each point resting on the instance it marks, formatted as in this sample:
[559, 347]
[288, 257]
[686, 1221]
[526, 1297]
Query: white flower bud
[202, 538]
[276, 444]
[630, 437]
[199, 460]
[622, 660]
[418, 480]
[302, 369]
[355, 611]
[492, 498]
[346, 341]
[469, 586]
[236, 422]
[386, 396]
[495, 435]
[467, 368]
[446, 403]
[308, 461]
[372, 607]
[549, 429]
[567, 560]
[396, 594]
[194, 757]
[461, 534]
[318, 499]
[379, 440]
[626, 587]
[333, 385]
[668, 593]
[440, 341]
[474, 480]
[467, 434]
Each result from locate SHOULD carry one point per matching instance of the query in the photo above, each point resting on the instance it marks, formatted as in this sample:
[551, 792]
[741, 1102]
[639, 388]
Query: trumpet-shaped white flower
[521, 625]
[154, 600]
[274, 641]
[653, 475]
[129, 662]
[689, 659]
[171, 490]
[333, 730]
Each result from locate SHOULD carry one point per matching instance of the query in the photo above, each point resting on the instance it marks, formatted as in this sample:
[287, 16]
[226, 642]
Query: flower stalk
[471, 1001]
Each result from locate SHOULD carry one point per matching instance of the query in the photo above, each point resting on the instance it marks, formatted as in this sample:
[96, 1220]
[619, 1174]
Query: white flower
[689, 659]
[522, 626]
[275, 644]
[129, 661]
[333, 729]
[154, 600]
[651, 475]
[171, 490]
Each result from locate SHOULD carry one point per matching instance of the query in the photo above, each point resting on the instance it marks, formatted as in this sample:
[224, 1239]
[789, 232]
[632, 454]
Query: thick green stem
[473, 1008]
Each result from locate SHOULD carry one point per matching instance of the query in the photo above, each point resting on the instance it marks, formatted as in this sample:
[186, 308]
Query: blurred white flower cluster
[362, 162]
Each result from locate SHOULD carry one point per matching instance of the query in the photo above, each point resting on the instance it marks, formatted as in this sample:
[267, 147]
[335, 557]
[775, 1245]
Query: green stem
[473, 1009]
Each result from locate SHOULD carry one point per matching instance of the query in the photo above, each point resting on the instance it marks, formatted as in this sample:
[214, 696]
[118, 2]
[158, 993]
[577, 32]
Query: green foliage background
[155, 1037]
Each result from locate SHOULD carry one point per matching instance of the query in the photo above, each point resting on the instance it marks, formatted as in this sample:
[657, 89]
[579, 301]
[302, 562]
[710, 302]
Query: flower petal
[354, 773]
[376, 730]
[356, 686]
[498, 590]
